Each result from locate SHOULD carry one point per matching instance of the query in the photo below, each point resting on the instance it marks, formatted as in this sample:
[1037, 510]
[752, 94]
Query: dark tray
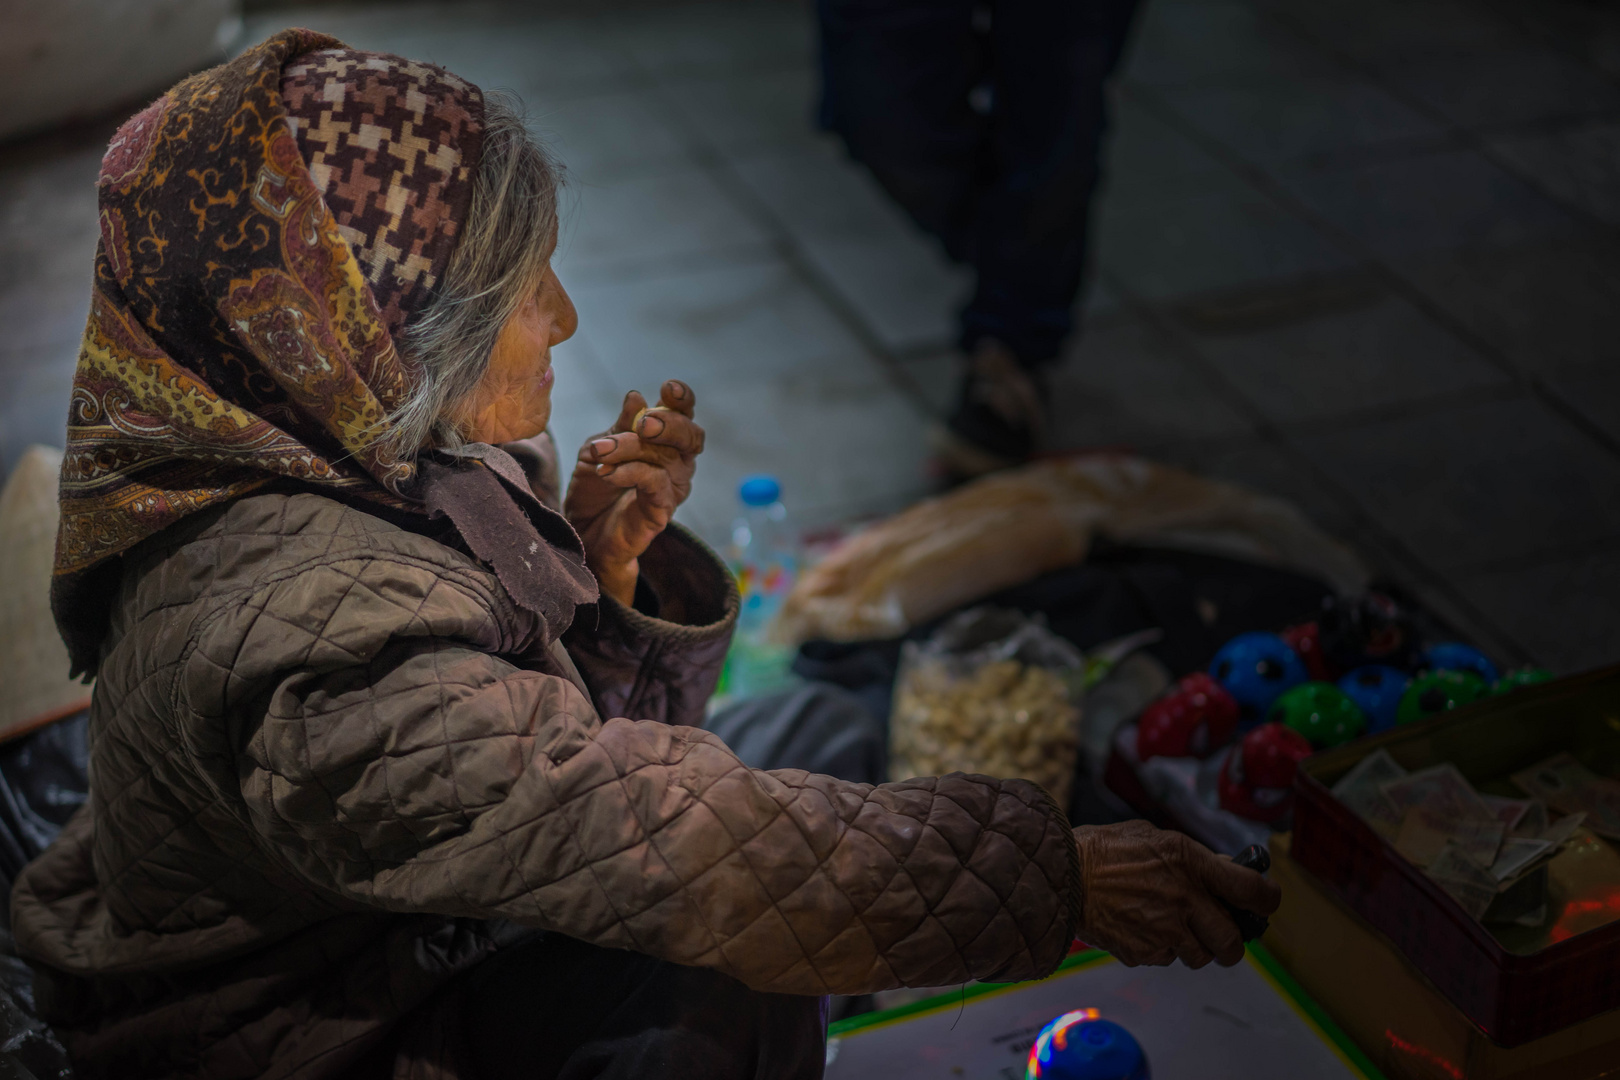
[1510, 998]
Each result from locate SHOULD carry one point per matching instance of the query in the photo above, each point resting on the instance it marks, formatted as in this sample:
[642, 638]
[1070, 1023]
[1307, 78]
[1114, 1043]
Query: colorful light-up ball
[1306, 640]
[1081, 1046]
[1455, 656]
[1372, 629]
[1438, 692]
[1321, 712]
[1196, 718]
[1255, 669]
[1520, 677]
[1377, 689]
[1257, 780]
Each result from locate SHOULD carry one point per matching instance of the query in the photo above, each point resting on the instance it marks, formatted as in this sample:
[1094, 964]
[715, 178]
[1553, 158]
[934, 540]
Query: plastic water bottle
[764, 554]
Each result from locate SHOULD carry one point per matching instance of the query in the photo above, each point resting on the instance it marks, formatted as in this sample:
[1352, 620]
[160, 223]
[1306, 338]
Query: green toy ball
[1525, 676]
[1321, 712]
[1438, 692]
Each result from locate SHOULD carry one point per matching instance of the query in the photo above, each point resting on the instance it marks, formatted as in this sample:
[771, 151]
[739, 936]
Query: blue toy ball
[1256, 668]
[1376, 689]
[1455, 656]
[1078, 1046]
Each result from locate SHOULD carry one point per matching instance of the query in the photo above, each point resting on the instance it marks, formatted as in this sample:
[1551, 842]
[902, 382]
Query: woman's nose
[565, 319]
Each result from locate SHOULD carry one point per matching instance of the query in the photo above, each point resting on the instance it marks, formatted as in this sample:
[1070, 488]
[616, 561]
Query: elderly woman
[395, 769]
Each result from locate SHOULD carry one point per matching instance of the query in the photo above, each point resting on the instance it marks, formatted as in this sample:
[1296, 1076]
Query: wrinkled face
[513, 400]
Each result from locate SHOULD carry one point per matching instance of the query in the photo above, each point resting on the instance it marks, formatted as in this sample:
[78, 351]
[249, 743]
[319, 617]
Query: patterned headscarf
[391, 144]
[248, 284]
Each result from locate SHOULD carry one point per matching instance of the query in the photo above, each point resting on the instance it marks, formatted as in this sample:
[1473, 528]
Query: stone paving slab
[1593, 394]
[1163, 250]
[1274, 120]
[622, 134]
[663, 217]
[1579, 165]
[1397, 31]
[1506, 87]
[748, 111]
[1125, 384]
[1471, 485]
[1150, 160]
[1546, 306]
[1432, 201]
[1185, 41]
[1383, 354]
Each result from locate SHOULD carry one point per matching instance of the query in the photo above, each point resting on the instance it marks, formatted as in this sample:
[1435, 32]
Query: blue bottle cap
[759, 491]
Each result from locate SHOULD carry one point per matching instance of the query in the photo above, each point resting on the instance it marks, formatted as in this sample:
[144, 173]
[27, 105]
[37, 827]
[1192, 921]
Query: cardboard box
[1397, 1016]
[1516, 994]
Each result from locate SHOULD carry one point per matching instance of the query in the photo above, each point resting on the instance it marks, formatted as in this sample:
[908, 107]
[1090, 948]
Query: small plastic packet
[993, 691]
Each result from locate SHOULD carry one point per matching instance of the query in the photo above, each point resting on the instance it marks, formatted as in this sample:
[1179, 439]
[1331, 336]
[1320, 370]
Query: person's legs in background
[985, 122]
[897, 79]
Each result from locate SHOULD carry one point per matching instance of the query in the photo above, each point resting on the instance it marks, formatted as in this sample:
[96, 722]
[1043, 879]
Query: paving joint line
[1403, 410]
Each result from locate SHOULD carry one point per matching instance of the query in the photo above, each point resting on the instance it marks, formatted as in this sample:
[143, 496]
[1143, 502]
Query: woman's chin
[521, 432]
[539, 419]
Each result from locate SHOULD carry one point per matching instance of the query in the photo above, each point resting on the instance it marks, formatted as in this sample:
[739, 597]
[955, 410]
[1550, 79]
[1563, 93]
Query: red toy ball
[1257, 781]
[1196, 718]
[1306, 640]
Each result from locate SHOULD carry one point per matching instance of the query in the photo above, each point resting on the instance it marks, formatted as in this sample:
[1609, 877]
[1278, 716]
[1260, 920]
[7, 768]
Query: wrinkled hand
[1153, 896]
[629, 480]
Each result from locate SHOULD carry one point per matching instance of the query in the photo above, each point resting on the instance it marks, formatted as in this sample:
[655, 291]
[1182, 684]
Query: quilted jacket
[333, 766]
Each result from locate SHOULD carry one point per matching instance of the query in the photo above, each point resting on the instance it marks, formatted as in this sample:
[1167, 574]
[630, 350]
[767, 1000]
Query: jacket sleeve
[432, 776]
[660, 664]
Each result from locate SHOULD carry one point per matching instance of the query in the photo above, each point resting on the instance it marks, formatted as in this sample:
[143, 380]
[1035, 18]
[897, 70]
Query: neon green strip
[954, 999]
[1273, 972]
[1311, 1012]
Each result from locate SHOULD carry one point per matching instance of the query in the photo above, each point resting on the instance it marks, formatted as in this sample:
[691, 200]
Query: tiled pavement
[1359, 253]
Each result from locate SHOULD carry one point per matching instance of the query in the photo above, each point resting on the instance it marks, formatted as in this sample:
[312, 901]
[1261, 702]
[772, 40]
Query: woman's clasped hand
[629, 480]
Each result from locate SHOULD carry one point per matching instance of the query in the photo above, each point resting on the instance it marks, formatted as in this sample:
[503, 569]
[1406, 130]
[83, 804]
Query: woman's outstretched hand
[1152, 896]
[629, 480]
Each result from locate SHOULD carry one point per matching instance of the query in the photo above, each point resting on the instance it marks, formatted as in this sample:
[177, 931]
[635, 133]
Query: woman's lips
[546, 379]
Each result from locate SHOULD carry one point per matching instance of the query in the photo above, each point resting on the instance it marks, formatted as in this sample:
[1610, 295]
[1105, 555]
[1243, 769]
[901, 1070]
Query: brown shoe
[1000, 417]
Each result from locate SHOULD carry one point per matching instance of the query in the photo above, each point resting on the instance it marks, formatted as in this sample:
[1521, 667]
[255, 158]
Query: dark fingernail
[677, 390]
[603, 446]
[651, 425]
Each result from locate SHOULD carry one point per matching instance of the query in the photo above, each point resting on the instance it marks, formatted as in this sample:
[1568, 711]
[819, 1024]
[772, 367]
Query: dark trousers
[558, 1009]
[983, 119]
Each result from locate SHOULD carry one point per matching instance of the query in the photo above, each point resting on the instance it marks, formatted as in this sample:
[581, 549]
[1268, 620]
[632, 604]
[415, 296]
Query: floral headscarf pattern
[234, 337]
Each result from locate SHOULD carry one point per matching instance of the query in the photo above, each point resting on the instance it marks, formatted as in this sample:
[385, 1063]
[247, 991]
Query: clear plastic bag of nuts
[993, 691]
